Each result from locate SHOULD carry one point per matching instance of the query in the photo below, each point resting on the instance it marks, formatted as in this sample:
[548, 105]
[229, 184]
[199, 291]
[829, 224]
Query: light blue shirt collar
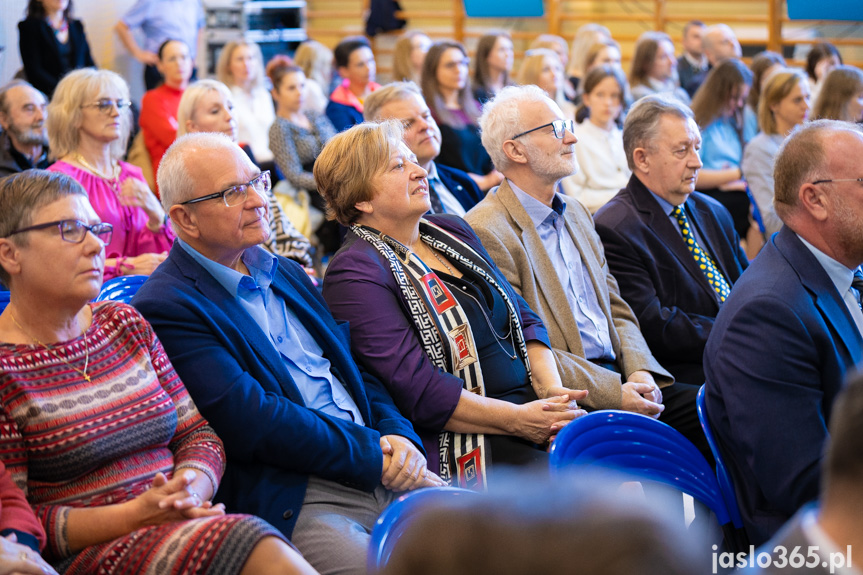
[538, 211]
[666, 206]
[261, 264]
[839, 274]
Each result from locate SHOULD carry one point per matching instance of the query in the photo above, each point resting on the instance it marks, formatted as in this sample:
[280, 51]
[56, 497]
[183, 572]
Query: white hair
[501, 120]
[175, 183]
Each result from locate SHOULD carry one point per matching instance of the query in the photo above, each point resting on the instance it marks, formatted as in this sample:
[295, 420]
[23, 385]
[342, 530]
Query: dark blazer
[462, 148]
[343, 116]
[660, 279]
[685, 73]
[40, 53]
[460, 185]
[776, 359]
[242, 387]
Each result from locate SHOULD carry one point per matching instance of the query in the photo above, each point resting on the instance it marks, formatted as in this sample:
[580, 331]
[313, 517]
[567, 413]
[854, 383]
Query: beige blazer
[508, 233]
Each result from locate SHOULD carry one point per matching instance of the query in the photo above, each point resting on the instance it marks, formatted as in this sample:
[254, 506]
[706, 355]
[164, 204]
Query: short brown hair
[23, 194]
[345, 167]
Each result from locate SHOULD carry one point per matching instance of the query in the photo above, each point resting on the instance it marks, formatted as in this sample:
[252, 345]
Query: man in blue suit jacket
[314, 445]
[791, 330]
[658, 275]
[456, 192]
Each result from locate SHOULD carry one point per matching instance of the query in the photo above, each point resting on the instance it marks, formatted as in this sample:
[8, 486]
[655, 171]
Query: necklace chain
[443, 262]
[112, 178]
[56, 355]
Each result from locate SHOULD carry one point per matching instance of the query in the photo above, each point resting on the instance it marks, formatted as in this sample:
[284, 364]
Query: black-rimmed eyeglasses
[74, 231]
[236, 195]
[841, 180]
[559, 126]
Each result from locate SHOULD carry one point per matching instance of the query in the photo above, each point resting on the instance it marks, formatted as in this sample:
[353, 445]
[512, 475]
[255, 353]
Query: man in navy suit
[790, 332]
[655, 267]
[314, 445]
[451, 191]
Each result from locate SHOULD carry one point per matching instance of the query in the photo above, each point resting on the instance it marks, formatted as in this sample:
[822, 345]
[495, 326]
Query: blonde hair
[778, 86]
[316, 60]
[77, 88]
[551, 42]
[585, 37]
[531, 68]
[594, 51]
[223, 68]
[402, 67]
[190, 99]
[840, 85]
[349, 162]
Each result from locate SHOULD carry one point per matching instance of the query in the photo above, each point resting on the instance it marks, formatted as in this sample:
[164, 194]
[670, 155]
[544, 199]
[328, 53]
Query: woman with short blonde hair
[542, 67]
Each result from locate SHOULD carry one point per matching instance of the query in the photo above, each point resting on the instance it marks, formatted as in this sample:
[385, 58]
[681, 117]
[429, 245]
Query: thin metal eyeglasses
[559, 126]
[105, 105]
[74, 231]
[842, 180]
[236, 195]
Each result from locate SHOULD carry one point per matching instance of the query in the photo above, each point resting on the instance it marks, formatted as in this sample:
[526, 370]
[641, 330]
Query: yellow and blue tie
[714, 277]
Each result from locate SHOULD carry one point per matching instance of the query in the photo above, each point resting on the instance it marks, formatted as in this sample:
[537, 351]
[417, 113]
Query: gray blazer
[508, 233]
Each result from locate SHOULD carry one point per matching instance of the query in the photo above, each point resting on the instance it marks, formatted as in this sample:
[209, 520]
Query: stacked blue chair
[121, 288]
[395, 519]
[646, 448]
[722, 476]
[4, 299]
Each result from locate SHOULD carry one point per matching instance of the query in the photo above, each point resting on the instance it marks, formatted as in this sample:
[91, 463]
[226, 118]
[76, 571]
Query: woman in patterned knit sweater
[95, 425]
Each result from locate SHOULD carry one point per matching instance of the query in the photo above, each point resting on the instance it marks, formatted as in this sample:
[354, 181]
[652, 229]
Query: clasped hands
[175, 499]
[404, 467]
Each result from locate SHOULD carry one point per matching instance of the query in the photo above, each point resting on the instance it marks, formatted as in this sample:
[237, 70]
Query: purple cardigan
[360, 288]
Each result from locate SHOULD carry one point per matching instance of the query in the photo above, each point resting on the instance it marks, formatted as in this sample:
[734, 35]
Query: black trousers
[680, 413]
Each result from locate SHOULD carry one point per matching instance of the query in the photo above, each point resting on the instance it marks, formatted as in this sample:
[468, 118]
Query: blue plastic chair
[722, 476]
[121, 288]
[4, 299]
[647, 449]
[394, 520]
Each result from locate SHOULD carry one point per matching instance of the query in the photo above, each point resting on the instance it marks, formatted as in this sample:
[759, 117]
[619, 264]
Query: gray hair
[501, 120]
[4, 91]
[383, 96]
[640, 130]
[23, 194]
[175, 183]
[189, 101]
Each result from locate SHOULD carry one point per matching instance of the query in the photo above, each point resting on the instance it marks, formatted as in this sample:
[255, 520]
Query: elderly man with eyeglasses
[314, 443]
[548, 250]
[790, 332]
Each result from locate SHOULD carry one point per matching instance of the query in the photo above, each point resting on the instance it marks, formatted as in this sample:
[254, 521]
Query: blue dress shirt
[551, 226]
[302, 355]
[841, 277]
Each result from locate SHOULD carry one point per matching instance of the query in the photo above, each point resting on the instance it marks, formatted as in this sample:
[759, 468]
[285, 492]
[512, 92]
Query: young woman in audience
[542, 68]
[763, 65]
[241, 68]
[316, 60]
[585, 37]
[446, 90]
[115, 458]
[602, 167]
[602, 53]
[355, 63]
[408, 55]
[158, 117]
[559, 46]
[718, 108]
[207, 106]
[88, 128]
[842, 96]
[296, 139]
[424, 278]
[654, 68]
[822, 58]
[22, 534]
[784, 104]
[52, 43]
[494, 58]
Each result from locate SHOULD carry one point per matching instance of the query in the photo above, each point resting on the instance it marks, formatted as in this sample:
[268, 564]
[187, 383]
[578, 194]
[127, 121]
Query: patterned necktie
[857, 283]
[436, 204]
[714, 277]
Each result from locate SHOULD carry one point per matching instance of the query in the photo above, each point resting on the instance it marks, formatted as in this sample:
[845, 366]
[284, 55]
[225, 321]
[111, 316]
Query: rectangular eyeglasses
[236, 195]
[74, 231]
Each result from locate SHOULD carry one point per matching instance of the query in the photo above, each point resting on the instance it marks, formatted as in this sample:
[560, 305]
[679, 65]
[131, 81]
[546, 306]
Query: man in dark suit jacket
[825, 537]
[658, 275]
[791, 330]
[314, 445]
[692, 61]
[451, 190]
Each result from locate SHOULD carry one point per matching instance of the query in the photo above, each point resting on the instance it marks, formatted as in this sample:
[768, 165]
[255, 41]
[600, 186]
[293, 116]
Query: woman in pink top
[88, 127]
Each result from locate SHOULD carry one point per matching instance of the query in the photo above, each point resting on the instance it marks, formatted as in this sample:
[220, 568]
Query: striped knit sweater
[69, 443]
